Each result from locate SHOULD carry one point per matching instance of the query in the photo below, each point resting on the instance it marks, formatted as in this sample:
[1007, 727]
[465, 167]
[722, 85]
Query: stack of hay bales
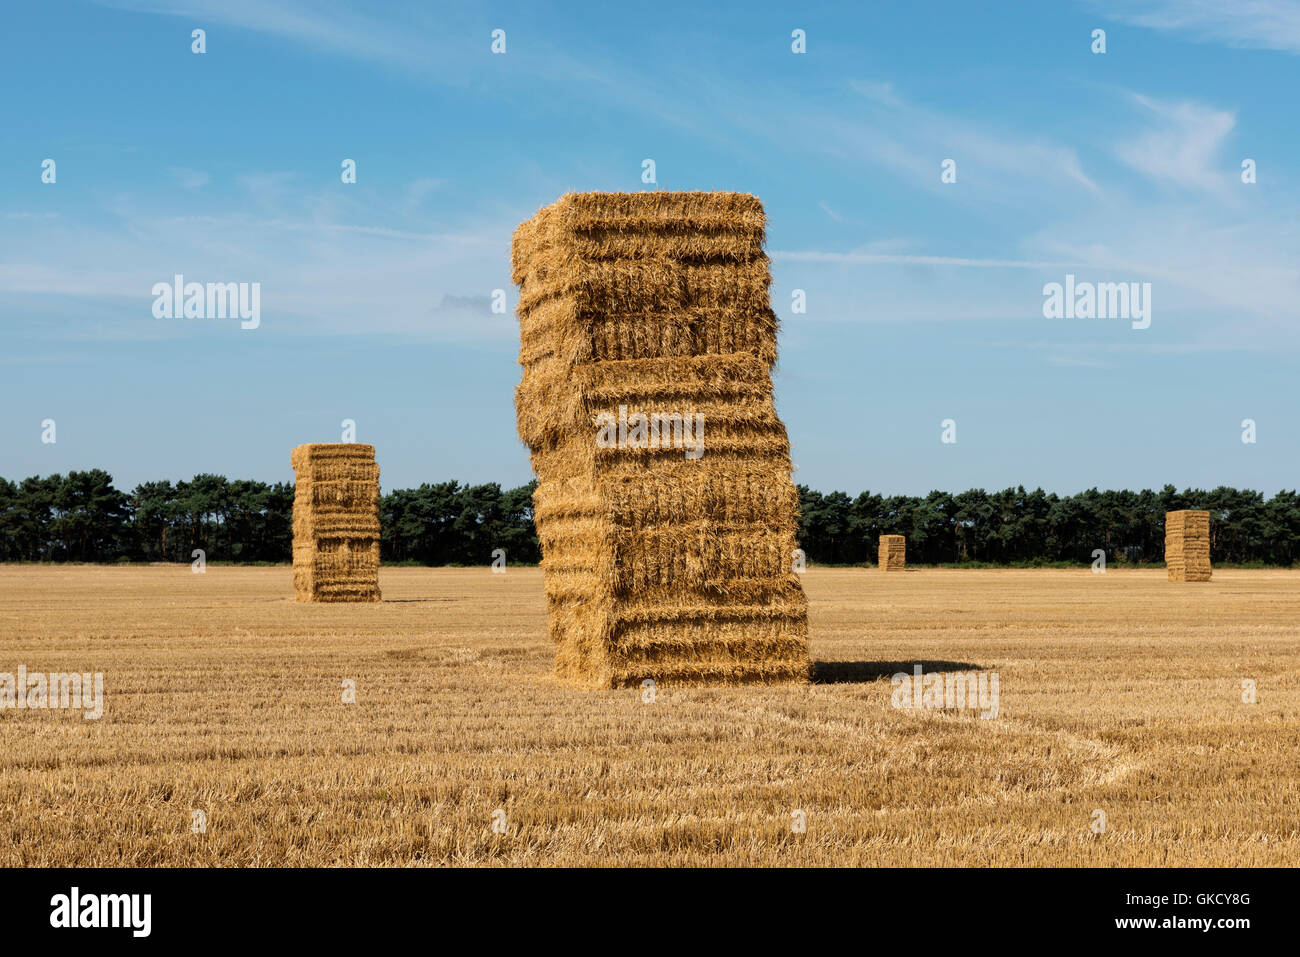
[893, 553]
[1187, 546]
[336, 523]
[661, 563]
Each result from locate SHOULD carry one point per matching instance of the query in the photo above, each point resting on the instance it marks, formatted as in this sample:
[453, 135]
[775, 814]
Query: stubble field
[1118, 692]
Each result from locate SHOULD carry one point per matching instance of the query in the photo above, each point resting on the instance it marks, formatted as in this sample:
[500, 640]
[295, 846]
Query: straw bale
[893, 553]
[1187, 546]
[335, 523]
[658, 565]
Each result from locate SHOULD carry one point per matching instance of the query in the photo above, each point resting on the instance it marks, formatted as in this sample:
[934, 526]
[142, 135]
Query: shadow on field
[407, 601]
[854, 672]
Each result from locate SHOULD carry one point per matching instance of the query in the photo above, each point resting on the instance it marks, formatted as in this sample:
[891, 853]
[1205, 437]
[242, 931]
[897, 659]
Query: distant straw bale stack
[893, 553]
[336, 523]
[664, 506]
[1187, 546]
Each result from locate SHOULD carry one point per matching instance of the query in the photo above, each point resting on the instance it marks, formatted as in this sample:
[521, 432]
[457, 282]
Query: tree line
[1014, 526]
[82, 517]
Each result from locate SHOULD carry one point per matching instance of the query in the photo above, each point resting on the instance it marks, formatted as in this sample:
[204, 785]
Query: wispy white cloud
[1184, 147]
[340, 255]
[1217, 283]
[1222, 259]
[895, 259]
[1258, 24]
[1078, 362]
[882, 92]
[913, 139]
[263, 187]
[189, 178]
[1245, 275]
[328, 26]
[825, 208]
[320, 267]
[419, 190]
[1021, 159]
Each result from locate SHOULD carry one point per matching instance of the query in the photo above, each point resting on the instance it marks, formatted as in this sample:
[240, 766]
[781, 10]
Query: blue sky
[924, 298]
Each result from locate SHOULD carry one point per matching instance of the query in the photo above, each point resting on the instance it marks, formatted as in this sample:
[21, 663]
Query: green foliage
[1019, 528]
[454, 524]
[82, 517]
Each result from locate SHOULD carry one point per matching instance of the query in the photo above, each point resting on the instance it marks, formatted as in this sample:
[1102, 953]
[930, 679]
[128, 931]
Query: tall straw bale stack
[1187, 546]
[336, 523]
[893, 553]
[659, 563]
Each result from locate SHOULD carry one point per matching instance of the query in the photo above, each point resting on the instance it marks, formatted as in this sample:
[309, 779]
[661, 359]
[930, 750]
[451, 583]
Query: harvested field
[224, 695]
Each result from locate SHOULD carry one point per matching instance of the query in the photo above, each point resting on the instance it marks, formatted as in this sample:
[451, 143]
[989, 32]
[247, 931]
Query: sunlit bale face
[336, 523]
[1187, 546]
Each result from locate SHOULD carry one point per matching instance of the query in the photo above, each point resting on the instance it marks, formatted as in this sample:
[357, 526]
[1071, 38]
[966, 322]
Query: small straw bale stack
[659, 563]
[1187, 546]
[893, 553]
[336, 523]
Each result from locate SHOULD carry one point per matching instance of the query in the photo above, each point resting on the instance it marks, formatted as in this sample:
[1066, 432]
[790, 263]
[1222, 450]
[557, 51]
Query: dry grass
[1118, 691]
